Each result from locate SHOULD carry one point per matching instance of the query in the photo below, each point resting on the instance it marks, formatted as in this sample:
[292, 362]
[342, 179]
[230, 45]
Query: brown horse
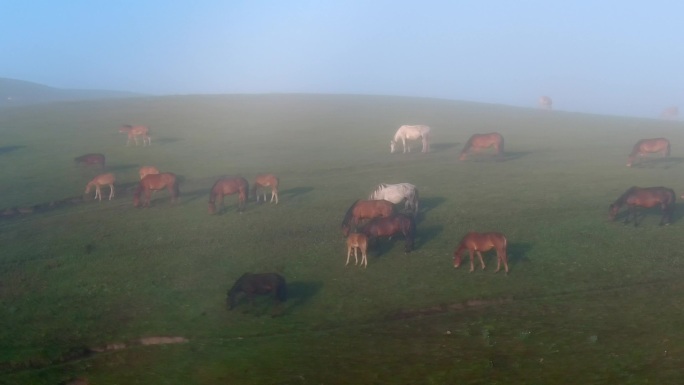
[482, 242]
[479, 142]
[146, 170]
[99, 181]
[645, 146]
[134, 132]
[91, 159]
[389, 226]
[154, 182]
[266, 180]
[357, 241]
[645, 197]
[365, 209]
[228, 186]
[258, 284]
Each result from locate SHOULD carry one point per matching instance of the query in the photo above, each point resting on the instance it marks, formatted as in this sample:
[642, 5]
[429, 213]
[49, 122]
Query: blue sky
[612, 57]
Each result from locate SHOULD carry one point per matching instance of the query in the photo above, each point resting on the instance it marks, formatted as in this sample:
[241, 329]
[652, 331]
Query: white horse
[405, 133]
[545, 103]
[396, 193]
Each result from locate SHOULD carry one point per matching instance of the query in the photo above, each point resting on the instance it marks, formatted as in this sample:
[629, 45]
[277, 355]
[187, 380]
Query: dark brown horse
[91, 160]
[645, 146]
[479, 142]
[154, 182]
[392, 225]
[482, 242]
[365, 209]
[258, 284]
[645, 197]
[228, 186]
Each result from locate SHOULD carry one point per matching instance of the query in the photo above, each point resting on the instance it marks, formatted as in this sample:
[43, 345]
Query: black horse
[253, 284]
[389, 226]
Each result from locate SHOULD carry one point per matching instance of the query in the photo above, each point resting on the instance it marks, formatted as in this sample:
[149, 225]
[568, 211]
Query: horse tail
[667, 150]
[176, 191]
[410, 234]
[501, 145]
[416, 200]
[349, 214]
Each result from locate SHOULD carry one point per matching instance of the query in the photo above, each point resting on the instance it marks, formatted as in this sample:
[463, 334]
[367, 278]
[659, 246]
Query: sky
[596, 56]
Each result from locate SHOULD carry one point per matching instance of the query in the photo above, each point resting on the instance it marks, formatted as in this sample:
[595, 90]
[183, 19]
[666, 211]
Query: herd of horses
[368, 220]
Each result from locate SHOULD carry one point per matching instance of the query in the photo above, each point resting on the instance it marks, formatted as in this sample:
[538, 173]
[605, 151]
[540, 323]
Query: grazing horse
[357, 241]
[396, 193]
[253, 284]
[146, 170]
[545, 103]
[228, 186]
[479, 142]
[266, 180]
[98, 182]
[134, 132]
[406, 132]
[482, 242]
[154, 182]
[645, 146]
[670, 113]
[645, 197]
[389, 226]
[91, 159]
[365, 210]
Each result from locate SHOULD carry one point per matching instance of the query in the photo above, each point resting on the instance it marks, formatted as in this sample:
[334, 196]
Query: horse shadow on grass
[664, 163]
[517, 252]
[167, 140]
[294, 192]
[426, 234]
[300, 292]
[443, 146]
[8, 149]
[427, 205]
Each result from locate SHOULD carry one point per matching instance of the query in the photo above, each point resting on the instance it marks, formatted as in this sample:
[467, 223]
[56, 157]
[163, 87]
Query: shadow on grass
[294, 192]
[166, 140]
[428, 204]
[300, 292]
[7, 149]
[664, 163]
[517, 252]
[652, 215]
[427, 233]
[122, 167]
[443, 146]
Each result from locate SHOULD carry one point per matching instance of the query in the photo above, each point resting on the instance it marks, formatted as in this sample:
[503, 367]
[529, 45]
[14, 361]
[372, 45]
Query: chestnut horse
[98, 182]
[645, 197]
[266, 180]
[392, 225]
[228, 186]
[253, 284]
[479, 142]
[91, 159]
[357, 241]
[482, 242]
[154, 182]
[645, 146]
[146, 170]
[365, 209]
[134, 132]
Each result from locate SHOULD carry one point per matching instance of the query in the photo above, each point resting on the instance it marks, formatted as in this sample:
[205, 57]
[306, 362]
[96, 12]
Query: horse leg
[364, 258]
[481, 260]
[349, 251]
[403, 140]
[111, 191]
[501, 256]
[472, 266]
[98, 193]
[148, 197]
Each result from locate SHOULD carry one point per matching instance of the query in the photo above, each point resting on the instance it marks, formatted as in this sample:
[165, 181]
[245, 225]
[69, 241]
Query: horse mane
[377, 190]
[635, 149]
[621, 200]
[350, 212]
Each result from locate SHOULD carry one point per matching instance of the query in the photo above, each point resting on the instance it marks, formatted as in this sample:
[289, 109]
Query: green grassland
[587, 301]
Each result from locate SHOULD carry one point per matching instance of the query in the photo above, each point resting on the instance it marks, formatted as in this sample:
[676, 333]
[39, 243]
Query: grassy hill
[20, 93]
[587, 301]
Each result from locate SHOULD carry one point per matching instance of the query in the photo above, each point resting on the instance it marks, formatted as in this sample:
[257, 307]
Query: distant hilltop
[21, 93]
